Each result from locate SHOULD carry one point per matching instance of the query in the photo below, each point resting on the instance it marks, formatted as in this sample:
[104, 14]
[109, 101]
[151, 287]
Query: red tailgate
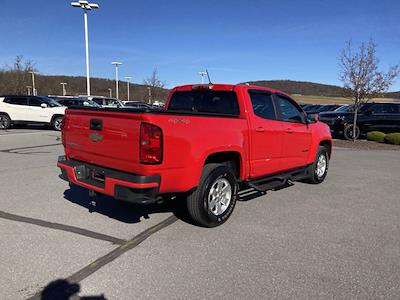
[105, 138]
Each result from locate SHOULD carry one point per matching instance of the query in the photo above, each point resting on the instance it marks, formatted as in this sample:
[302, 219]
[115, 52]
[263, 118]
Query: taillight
[151, 147]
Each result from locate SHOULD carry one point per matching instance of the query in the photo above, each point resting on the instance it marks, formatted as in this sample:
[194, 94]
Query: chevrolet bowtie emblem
[95, 137]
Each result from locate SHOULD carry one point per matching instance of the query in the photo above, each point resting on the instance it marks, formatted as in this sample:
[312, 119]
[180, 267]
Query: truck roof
[225, 87]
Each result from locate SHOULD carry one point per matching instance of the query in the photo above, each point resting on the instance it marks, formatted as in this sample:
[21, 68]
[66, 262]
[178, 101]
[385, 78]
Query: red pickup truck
[211, 142]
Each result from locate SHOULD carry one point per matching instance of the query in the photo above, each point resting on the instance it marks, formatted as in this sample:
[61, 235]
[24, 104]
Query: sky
[237, 41]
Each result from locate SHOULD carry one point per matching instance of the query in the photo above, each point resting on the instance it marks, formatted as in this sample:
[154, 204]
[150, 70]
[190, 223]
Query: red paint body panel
[188, 140]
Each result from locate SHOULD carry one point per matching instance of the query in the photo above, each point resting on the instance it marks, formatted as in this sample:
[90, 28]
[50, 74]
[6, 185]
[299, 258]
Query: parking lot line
[109, 257]
[23, 133]
[57, 226]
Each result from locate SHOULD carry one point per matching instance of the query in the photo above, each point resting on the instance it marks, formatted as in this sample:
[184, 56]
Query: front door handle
[289, 130]
[260, 129]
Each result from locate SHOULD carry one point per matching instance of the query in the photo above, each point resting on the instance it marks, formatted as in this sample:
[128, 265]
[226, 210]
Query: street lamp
[127, 84]
[202, 74]
[64, 90]
[149, 94]
[34, 92]
[116, 64]
[110, 90]
[85, 5]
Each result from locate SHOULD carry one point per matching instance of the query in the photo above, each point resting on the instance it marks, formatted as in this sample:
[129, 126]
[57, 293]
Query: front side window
[289, 111]
[205, 101]
[383, 108]
[35, 102]
[263, 105]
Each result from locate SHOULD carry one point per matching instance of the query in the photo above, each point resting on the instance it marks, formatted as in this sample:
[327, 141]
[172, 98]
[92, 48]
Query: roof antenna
[208, 76]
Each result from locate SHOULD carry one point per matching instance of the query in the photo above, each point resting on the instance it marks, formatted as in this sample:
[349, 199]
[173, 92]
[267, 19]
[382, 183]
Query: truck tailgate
[106, 138]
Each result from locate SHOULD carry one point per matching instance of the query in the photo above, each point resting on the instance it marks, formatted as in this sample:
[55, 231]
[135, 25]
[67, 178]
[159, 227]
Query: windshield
[50, 102]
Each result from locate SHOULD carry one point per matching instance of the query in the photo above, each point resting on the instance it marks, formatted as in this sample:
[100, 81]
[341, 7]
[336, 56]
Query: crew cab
[211, 142]
[30, 109]
[371, 116]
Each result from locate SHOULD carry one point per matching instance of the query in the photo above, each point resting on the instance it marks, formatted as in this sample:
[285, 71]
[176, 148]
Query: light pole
[64, 90]
[85, 5]
[149, 94]
[202, 74]
[116, 64]
[34, 92]
[127, 84]
[110, 90]
[28, 87]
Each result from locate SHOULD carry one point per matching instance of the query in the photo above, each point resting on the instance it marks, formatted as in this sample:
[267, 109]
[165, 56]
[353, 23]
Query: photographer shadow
[61, 289]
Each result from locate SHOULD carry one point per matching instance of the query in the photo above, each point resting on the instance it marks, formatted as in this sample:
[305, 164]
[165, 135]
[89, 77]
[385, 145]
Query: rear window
[218, 102]
[17, 100]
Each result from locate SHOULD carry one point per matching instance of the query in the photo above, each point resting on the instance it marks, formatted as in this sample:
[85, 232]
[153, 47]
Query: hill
[297, 88]
[16, 83]
[302, 87]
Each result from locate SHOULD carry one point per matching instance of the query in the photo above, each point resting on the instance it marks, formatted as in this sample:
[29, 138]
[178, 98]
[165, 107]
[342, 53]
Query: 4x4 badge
[95, 137]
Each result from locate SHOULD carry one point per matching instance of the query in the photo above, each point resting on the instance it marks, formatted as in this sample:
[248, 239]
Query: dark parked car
[383, 117]
[67, 101]
[138, 105]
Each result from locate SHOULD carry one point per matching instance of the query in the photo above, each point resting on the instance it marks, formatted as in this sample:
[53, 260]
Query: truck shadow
[124, 211]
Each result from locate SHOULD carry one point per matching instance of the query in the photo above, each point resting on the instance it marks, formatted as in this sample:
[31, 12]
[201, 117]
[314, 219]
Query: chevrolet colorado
[209, 143]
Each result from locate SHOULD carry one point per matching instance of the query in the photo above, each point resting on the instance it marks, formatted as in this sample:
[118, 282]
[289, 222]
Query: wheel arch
[328, 145]
[232, 159]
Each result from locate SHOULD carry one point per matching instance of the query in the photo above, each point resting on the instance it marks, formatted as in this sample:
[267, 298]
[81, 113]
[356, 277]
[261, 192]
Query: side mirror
[43, 105]
[312, 118]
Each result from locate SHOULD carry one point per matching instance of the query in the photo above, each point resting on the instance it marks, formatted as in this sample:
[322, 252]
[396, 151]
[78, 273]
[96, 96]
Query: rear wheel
[5, 121]
[319, 168]
[56, 123]
[212, 203]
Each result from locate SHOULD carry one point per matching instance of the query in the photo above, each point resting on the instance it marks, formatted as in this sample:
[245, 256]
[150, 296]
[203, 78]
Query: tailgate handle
[96, 124]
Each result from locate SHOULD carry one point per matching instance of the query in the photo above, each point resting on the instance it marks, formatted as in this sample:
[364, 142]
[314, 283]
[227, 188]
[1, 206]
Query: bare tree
[155, 86]
[16, 77]
[361, 77]
[153, 80]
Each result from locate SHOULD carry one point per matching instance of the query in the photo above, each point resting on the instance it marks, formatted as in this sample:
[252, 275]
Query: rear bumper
[120, 185]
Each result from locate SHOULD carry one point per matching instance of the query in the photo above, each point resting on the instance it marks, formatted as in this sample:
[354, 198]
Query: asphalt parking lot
[340, 239]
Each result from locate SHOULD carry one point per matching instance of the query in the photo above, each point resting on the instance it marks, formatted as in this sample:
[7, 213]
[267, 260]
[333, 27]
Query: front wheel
[56, 123]
[212, 203]
[319, 169]
[349, 133]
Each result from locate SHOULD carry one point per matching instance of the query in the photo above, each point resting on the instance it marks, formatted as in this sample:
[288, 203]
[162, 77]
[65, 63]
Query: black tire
[5, 121]
[314, 176]
[56, 123]
[198, 201]
[348, 132]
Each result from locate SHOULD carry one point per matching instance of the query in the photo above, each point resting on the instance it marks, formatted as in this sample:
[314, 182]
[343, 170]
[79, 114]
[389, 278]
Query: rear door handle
[260, 129]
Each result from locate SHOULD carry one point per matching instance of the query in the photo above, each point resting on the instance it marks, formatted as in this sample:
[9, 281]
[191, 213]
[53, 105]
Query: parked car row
[50, 110]
[383, 117]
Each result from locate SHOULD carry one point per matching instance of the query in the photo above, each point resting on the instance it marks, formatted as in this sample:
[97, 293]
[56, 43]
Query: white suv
[30, 109]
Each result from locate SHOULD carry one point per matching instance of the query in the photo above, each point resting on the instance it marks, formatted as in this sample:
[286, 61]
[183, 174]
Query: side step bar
[278, 181]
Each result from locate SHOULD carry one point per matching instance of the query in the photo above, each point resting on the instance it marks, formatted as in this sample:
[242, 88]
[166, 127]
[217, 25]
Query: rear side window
[263, 105]
[218, 102]
[98, 100]
[17, 100]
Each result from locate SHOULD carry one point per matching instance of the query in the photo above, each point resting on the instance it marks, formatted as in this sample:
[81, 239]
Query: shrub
[393, 138]
[376, 136]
